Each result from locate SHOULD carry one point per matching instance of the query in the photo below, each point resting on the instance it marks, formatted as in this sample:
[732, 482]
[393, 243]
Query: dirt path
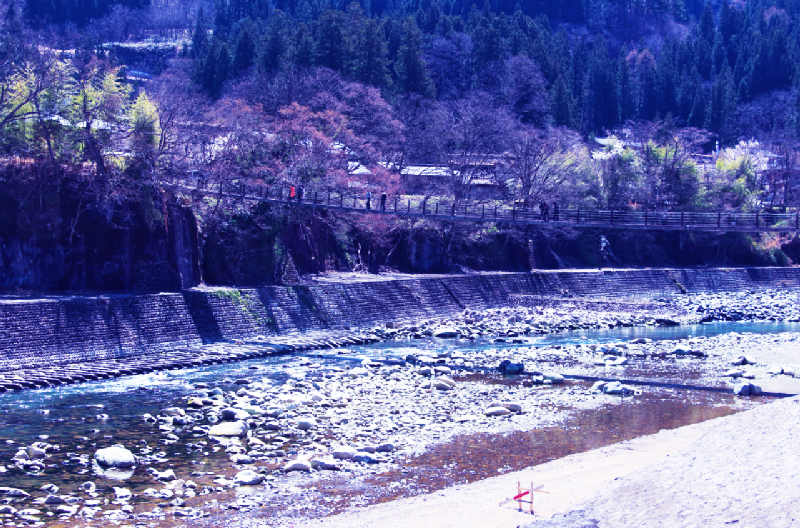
[569, 481]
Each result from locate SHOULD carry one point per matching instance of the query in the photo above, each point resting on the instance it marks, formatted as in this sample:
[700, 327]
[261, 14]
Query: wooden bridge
[496, 212]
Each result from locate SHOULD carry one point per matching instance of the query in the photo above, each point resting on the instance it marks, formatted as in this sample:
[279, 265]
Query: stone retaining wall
[72, 329]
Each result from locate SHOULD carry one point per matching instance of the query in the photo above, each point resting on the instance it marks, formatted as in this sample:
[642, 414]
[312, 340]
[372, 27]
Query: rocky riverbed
[258, 440]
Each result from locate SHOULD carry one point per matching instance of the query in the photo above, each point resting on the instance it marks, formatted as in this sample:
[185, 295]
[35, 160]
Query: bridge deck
[440, 209]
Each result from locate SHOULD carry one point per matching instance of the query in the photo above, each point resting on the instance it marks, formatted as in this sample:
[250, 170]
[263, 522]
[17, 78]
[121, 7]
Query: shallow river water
[83, 418]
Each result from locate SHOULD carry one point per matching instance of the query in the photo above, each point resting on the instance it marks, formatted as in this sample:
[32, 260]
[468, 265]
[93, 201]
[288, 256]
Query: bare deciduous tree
[538, 163]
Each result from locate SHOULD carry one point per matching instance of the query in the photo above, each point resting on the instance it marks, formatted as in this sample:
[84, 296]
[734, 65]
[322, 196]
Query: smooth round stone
[248, 477]
[306, 423]
[496, 411]
[115, 456]
[237, 428]
[446, 332]
[297, 465]
[343, 453]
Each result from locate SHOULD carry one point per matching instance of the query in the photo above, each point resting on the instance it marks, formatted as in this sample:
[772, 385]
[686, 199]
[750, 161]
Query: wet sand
[568, 481]
[740, 469]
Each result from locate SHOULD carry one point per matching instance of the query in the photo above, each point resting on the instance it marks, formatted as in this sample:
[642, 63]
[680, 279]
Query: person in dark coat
[555, 211]
[383, 200]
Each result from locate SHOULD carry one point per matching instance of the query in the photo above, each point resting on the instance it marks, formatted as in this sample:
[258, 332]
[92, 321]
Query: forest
[654, 104]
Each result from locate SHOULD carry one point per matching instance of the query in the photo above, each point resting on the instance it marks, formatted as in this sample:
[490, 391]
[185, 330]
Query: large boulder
[304, 424]
[496, 411]
[444, 383]
[513, 407]
[553, 377]
[231, 413]
[343, 453]
[297, 465]
[238, 428]
[507, 367]
[248, 477]
[324, 464]
[446, 332]
[115, 456]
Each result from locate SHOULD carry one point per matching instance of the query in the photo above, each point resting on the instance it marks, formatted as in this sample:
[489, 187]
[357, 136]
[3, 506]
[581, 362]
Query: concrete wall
[72, 329]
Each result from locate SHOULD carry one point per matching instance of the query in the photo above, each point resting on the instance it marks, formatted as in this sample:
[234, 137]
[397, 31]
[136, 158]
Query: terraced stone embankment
[58, 340]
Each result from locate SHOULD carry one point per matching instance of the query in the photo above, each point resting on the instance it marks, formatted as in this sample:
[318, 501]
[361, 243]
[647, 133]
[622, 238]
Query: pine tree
[409, 66]
[222, 70]
[200, 36]
[330, 40]
[245, 48]
[563, 103]
[354, 35]
[627, 102]
[303, 46]
[375, 65]
[276, 44]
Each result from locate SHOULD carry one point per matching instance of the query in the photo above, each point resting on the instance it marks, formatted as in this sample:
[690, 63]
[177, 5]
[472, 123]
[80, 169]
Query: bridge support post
[682, 219]
[483, 211]
[797, 221]
[579, 216]
[514, 212]
[315, 198]
[424, 206]
[454, 210]
[645, 218]
[495, 212]
[395, 204]
[409, 207]
[437, 209]
[341, 201]
[611, 218]
[719, 218]
[757, 222]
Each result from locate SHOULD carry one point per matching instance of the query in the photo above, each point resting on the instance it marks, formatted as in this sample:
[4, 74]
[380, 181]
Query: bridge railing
[496, 211]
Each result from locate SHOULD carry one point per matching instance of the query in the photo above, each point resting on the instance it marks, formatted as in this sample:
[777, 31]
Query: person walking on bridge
[291, 193]
[555, 211]
[383, 201]
[369, 199]
[300, 194]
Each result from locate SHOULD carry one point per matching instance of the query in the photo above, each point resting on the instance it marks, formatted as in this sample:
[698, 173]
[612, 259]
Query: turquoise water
[393, 349]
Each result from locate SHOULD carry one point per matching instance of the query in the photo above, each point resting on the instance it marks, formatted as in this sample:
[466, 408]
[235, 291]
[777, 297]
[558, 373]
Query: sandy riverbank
[740, 469]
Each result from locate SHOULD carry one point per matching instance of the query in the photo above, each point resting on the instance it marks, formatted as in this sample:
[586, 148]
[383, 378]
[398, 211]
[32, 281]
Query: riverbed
[368, 396]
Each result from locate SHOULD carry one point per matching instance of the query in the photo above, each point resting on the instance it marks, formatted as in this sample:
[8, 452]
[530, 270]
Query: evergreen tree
[563, 103]
[245, 53]
[276, 45]
[222, 70]
[374, 68]
[602, 104]
[627, 102]
[200, 35]
[707, 27]
[222, 19]
[354, 40]
[412, 75]
[330, 40]
[303, 46]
